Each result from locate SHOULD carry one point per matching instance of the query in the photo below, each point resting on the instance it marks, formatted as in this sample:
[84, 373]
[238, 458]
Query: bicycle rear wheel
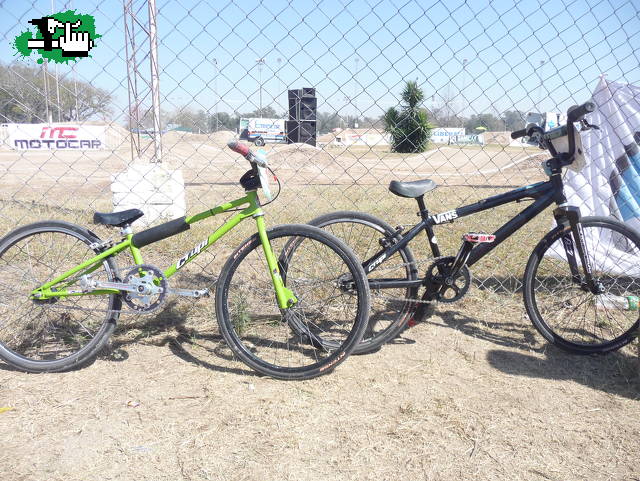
[317, 333]
[564, 310]
[56, 334]
[391, 309]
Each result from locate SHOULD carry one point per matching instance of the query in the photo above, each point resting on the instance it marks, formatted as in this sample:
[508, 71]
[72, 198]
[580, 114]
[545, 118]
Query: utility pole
[347, 101]
[539, 96]
[215, 89]
[280, 91]
[355, 92]
[260, 61]
[464, 78]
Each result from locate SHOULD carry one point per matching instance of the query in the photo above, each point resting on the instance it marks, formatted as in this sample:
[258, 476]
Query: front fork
[284, 295]
[574, 237]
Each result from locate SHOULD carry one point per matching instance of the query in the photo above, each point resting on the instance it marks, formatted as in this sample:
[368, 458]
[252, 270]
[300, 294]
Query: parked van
[260, 131]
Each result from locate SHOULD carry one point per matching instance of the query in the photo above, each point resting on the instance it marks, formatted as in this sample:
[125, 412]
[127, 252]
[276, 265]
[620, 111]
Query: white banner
[56, 137]
[609, 182]
[441, 135]
[475, 139]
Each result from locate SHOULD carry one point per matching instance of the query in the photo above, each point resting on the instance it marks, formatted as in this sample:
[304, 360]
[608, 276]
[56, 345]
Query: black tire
[259, 141]
[574, 318]
[269, 339]
[388, 317]
[43, 336]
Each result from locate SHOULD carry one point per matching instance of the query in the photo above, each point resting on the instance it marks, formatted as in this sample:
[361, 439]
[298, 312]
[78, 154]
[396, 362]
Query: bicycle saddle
[118, 219]
[412, 189]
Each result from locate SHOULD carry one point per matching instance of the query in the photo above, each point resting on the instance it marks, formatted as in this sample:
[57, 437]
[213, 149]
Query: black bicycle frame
[543, 193]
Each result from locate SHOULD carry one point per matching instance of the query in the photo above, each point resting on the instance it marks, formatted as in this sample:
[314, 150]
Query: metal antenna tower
[141, 50]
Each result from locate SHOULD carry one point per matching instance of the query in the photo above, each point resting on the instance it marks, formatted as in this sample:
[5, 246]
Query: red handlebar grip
[239, 148]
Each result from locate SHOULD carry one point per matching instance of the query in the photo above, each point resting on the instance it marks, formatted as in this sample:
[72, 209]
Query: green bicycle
[289, 317]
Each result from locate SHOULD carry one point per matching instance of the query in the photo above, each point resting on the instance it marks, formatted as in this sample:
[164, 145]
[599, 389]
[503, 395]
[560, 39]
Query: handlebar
[575, 113]
[240, 149]
[247, 153]
[518, 133]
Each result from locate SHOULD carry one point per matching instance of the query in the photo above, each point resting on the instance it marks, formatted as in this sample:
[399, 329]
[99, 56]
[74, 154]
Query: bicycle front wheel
[56, 334]
[560, 304]
[317, 333]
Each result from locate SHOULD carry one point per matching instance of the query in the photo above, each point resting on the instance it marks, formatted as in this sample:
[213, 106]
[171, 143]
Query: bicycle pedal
[196, 293]
[478, 237]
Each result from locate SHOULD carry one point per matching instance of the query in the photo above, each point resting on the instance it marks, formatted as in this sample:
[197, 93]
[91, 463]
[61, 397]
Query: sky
[486, 56]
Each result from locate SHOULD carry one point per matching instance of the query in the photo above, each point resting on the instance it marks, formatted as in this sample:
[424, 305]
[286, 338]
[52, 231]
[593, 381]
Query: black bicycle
[580, 284]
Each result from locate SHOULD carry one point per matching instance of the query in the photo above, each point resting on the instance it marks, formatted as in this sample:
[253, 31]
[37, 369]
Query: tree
[22, 97]
[327, 122]
[445, 111]
[186, 118]
[513, 120]
[267, 112]
[489, 122]
[145, 119]
[409, 128]
[371, 123]
[223, 121]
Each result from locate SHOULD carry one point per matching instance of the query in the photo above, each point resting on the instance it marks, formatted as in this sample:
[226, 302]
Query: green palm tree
[409, 128]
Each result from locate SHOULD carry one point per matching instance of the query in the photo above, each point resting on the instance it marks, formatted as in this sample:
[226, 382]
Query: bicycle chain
[432, 261]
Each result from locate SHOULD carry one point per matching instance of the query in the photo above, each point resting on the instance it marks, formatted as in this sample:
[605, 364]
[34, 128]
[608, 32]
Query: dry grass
[473, 392]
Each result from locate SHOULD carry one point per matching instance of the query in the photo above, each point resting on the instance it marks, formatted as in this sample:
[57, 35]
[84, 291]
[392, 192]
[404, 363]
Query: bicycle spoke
[48, 331]
[579, 318]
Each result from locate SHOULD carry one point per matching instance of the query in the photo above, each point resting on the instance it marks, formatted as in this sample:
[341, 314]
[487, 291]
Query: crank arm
[120, 286]
[88, 285]
[197, 293]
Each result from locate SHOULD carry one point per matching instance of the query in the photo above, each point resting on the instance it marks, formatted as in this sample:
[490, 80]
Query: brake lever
[259, 158]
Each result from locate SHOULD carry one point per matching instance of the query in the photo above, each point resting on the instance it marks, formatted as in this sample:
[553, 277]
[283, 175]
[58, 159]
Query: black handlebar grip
[576, 113]
[518, 133]
[240, 148]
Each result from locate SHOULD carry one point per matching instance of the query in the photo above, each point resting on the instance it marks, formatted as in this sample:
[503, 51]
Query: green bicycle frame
[284, 295]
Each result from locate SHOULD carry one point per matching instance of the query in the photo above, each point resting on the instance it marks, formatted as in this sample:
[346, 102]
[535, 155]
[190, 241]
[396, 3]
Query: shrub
[409, 128]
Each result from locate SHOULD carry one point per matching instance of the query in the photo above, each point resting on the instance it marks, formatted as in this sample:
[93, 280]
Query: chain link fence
[483, 69]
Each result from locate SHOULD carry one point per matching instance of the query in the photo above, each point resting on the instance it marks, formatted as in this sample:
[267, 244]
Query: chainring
[441, 286]
[152, 288]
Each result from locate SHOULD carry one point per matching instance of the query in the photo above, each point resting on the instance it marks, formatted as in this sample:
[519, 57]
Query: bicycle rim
[567, 313]
[293, 343]
[50, 335]
[390, 308]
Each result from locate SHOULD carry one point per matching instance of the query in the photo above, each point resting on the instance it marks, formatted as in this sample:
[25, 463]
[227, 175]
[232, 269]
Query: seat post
[424, 213]
[433, 241]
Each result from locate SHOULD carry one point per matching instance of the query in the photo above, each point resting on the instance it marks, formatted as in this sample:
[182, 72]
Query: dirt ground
[206, 164]
[473, 392]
